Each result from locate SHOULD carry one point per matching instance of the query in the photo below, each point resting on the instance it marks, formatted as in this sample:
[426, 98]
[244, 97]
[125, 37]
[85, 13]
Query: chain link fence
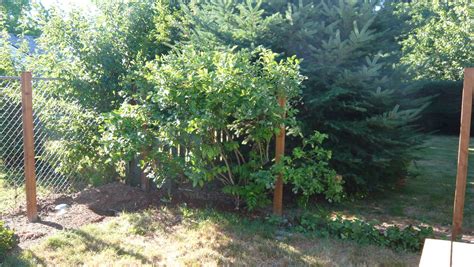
[53, 116]
[11, 145]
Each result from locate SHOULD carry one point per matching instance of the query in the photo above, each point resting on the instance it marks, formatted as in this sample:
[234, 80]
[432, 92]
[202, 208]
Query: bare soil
[96, 204]
[88, 206]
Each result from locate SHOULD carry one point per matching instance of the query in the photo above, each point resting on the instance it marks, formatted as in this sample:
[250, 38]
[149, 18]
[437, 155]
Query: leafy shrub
[221, 106]
[307, 170]
[218, 104]
[7, 240]
[131, 34]
[99, 55]
[410, 238]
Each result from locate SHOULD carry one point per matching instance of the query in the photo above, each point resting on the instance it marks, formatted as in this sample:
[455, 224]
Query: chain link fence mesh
[11, 145]
[54, 116]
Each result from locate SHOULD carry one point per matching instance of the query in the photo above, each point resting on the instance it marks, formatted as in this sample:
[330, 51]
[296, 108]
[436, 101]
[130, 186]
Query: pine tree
[240, 23]
[352, 92]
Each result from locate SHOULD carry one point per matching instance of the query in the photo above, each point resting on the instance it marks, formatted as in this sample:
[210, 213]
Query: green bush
[197, 95]
[221, 105]
[410, 238]
[307, 170]
[97, 58]
[7, 240]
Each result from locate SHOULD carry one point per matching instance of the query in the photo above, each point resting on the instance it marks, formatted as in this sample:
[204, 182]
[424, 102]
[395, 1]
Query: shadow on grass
[192, 237]
[260, 242]
[51, 224]
[17, 259]
[428, 195]
[20, 257]
[95, 244]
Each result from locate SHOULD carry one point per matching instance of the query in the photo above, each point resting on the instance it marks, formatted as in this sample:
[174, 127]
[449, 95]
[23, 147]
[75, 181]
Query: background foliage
[437, 43]
[161, 74]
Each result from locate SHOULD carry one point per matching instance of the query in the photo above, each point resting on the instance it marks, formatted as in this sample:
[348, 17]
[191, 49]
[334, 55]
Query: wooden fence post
[29, 145]
[279, 152]
[463, 151]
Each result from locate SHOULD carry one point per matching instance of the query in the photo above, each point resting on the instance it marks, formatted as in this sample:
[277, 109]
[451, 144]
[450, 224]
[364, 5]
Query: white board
[438, 252]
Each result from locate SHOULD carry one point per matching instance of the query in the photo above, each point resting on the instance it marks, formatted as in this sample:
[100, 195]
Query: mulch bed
[91, 205]
[97, 204]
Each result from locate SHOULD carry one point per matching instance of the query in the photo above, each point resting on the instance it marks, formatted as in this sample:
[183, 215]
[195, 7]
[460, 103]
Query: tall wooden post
[29, 146]
[279, 152]
[463, 151]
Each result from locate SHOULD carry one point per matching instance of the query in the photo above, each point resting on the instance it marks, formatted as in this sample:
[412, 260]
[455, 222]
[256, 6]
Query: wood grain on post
[29, 146]
[463, 151]
[279, 152]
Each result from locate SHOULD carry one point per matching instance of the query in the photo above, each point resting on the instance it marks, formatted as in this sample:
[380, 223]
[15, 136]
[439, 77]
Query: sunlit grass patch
[182, 237]
[95, 244]
[10, 197]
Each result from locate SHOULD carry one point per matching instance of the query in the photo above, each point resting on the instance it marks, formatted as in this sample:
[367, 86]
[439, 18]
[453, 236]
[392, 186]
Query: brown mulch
[102, 203]
[88, 206]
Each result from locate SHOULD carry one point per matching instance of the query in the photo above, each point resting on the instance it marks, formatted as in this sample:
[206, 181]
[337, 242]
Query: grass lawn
[10, 197]
[183, 236]
[429, 196]
[189, 237]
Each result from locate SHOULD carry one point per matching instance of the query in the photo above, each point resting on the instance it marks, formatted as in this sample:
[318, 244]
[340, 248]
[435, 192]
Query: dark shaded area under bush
[444, 113]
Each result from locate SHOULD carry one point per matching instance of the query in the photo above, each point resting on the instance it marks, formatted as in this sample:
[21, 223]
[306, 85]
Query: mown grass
[428, 195]
[10, 197]
[191, 237]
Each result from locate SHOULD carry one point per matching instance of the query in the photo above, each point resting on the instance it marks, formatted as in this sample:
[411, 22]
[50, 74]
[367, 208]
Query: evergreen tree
[240, 23]
[352, 92]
